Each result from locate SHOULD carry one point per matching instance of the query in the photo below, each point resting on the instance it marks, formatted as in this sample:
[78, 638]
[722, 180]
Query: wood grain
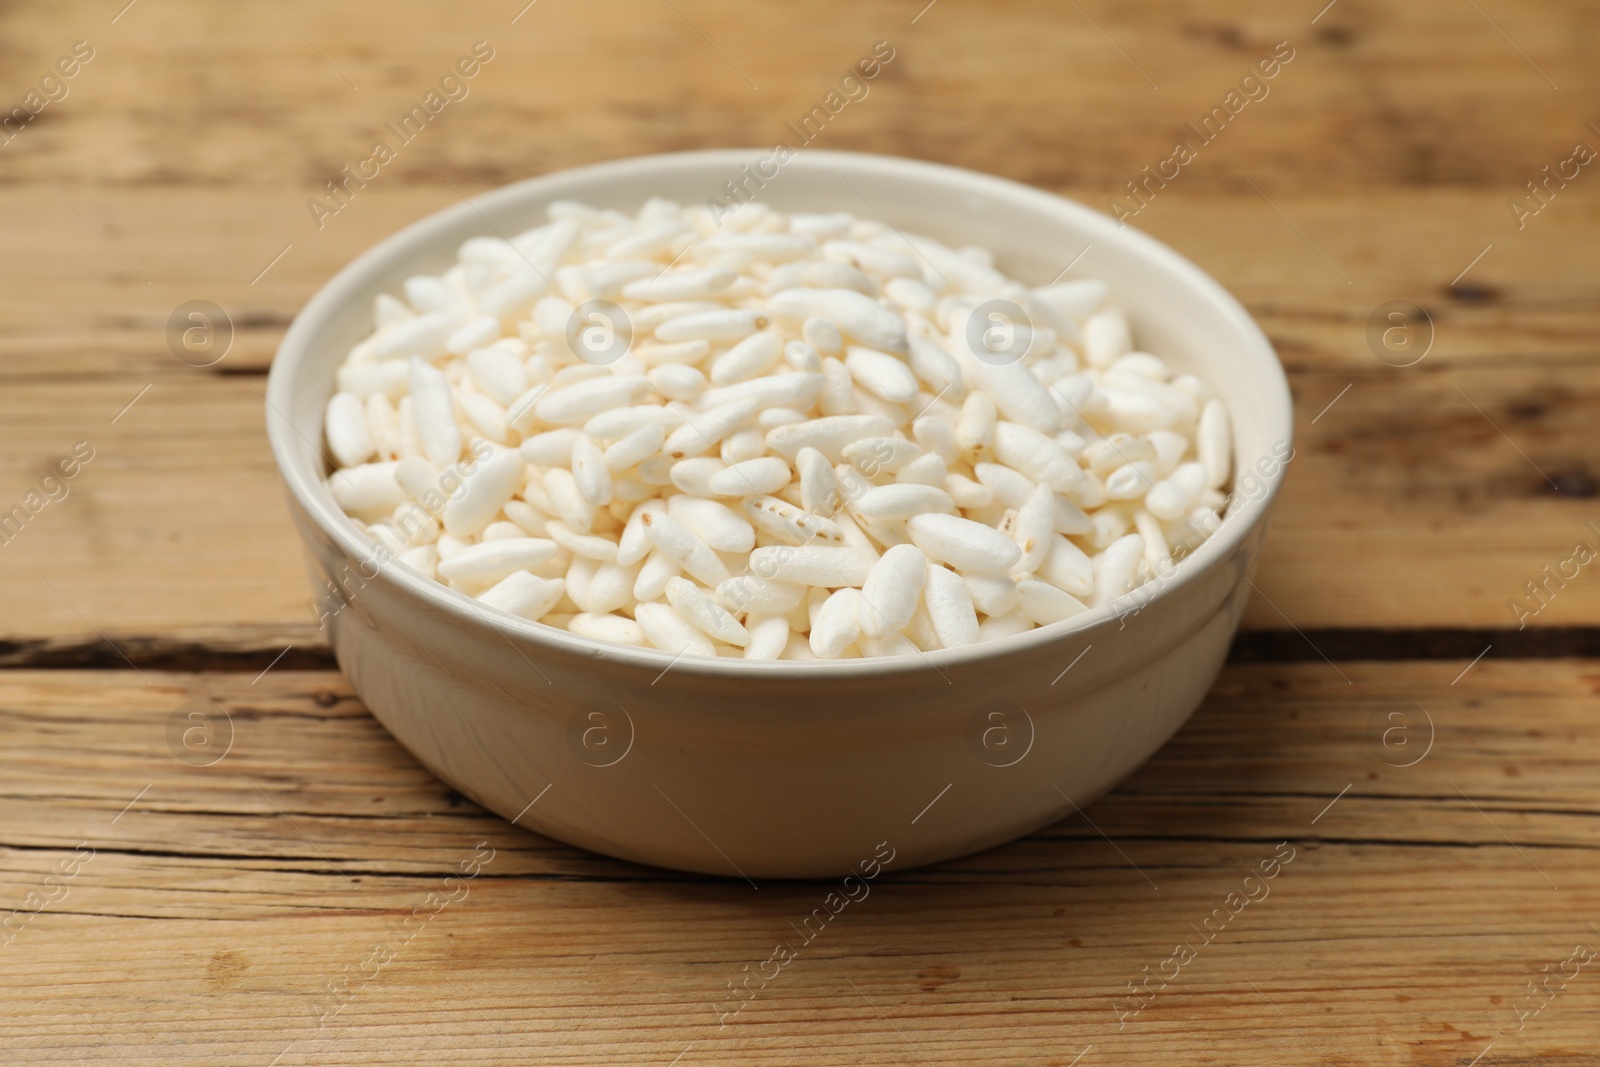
[220, 902]
[1425, 94]
[152, 184]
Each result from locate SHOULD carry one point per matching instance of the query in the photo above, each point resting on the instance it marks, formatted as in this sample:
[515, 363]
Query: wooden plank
[1374, 93]
[230, 896]
[1404, 506]
[73, 307]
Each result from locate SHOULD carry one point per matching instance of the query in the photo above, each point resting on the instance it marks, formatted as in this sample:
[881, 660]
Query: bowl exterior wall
[755, 775]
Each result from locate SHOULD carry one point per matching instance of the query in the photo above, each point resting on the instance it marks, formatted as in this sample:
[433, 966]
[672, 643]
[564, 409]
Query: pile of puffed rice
[793, 436]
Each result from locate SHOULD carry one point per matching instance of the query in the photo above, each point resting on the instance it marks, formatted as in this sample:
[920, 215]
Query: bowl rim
[304, 483]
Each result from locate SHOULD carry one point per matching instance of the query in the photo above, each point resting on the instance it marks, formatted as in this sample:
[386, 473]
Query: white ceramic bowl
[788, 769]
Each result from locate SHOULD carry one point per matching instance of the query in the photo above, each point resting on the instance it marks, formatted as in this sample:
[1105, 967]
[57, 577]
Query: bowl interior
[1176, 310]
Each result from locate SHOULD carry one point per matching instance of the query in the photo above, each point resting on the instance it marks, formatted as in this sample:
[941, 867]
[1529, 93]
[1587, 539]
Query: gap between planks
[303, 650]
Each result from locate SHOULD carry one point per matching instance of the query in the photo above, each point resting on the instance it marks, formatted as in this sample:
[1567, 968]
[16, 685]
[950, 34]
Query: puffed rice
[793, 441]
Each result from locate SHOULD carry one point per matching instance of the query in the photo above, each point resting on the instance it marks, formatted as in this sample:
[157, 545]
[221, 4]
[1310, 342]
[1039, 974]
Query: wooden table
[1428, 764]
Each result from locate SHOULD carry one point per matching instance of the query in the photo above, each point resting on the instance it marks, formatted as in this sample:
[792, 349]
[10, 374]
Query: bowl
[789, 769]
